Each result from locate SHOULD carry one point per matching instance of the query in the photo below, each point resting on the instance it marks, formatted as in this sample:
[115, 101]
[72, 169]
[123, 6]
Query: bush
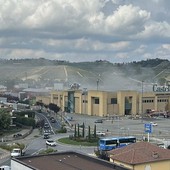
[62, 130]
[10, 147]
[47, 151]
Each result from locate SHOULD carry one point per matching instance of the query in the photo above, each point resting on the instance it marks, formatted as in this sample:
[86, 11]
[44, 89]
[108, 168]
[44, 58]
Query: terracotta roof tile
[140, 152]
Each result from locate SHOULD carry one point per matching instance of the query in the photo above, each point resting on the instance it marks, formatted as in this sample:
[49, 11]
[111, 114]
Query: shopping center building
[107, 103]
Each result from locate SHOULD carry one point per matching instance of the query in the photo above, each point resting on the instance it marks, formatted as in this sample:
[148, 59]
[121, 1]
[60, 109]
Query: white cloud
[156, 29]
[84, 29]
[127, 20]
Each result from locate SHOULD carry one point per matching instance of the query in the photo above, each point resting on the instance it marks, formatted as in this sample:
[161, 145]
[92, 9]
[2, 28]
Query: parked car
[99, 121]
[50, 142]
[100, 133]
[153, 124]
[17, 135]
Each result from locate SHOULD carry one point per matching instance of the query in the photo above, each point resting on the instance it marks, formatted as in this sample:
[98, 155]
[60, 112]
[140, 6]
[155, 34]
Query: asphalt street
[122, 126]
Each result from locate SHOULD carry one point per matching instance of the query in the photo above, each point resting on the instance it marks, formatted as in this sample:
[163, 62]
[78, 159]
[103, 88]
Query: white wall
[17, 166]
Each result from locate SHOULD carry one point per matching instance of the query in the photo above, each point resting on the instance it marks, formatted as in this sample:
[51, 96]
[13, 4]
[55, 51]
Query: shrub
[10, 147]
[47, 151]
[62, 130]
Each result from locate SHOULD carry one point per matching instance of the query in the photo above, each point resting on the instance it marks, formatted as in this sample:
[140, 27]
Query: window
[147, 101]
[113, 100]
[162, 100]
[96, 101]
[84, 101]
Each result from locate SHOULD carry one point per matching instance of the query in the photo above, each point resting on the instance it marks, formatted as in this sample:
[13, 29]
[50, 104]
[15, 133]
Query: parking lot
[124, 126]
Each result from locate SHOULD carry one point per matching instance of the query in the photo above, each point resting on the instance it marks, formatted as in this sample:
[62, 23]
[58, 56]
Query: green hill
[105, 75]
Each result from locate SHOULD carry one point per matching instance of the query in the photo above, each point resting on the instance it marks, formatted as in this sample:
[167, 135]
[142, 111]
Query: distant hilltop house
[141, 155]
[3, 88]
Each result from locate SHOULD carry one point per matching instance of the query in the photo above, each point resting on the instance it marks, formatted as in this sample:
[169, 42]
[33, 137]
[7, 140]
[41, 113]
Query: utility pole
[142, 102]
[97, 84]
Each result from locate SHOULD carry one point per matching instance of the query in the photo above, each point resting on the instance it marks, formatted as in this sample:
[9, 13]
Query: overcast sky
[85, 30]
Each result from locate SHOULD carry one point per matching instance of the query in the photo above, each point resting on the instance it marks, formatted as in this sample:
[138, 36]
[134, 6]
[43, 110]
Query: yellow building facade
[141, 156]
[104, 103]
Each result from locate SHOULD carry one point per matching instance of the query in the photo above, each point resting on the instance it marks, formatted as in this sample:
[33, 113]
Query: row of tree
[80, 133]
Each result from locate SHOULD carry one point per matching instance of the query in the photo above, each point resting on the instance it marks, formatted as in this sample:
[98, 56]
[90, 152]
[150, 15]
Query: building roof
[66, 160]
[139, 153]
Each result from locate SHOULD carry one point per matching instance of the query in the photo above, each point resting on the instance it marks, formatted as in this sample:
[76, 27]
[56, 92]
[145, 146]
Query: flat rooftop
[66, 161]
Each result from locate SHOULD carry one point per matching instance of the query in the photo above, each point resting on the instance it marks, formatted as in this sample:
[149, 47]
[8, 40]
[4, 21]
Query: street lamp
[97, 84]
[84, 102]
[84, 107]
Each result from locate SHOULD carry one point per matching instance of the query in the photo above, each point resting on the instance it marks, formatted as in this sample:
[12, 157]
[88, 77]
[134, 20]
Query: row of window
[159, 100]
[61, 98]
[114, 100]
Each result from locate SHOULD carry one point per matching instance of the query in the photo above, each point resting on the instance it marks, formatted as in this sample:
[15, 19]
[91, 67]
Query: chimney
[155, 154]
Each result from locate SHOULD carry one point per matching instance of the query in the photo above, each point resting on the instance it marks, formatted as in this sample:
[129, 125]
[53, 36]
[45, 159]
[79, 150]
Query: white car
[153, 124]
[50, 142]
[100, 133]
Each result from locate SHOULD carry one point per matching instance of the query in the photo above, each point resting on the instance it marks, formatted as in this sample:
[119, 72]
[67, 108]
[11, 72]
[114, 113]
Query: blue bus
[107, 144]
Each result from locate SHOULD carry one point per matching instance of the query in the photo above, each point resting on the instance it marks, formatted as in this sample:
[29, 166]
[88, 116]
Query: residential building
[141, 156]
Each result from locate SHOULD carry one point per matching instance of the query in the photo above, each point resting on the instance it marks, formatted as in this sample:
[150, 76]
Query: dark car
[17, 135]
[53, 120]
[46, 136]
[99, 121]
[46, 126]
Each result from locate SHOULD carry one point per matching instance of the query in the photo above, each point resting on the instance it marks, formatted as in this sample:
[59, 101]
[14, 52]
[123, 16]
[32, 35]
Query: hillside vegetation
[92, 75]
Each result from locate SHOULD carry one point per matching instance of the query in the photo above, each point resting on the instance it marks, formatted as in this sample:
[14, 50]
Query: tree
[75, 131]
[78, 133]
[95, 131]
[89, 133]
[5, 119]
[54, 107]
[83, 132]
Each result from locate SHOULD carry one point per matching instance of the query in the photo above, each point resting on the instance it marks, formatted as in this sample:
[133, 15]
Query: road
[122, 126]
[39, 144]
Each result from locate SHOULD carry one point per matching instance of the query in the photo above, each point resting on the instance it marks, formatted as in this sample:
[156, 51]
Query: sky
[85, 30]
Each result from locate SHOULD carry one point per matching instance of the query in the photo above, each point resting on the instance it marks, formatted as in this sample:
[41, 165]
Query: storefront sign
[157, 88]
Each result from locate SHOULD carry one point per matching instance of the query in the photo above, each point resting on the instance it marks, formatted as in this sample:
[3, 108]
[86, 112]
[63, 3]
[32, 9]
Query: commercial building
[62, 160]
[105, 103]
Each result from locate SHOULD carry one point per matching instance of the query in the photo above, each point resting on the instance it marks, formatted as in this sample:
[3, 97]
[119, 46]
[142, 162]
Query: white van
[16, 152]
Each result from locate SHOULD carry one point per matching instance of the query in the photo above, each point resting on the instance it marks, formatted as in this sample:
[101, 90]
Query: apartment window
[96, 101]
[147, 101]
[162, 100]
[84, 101]
[113, 100]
